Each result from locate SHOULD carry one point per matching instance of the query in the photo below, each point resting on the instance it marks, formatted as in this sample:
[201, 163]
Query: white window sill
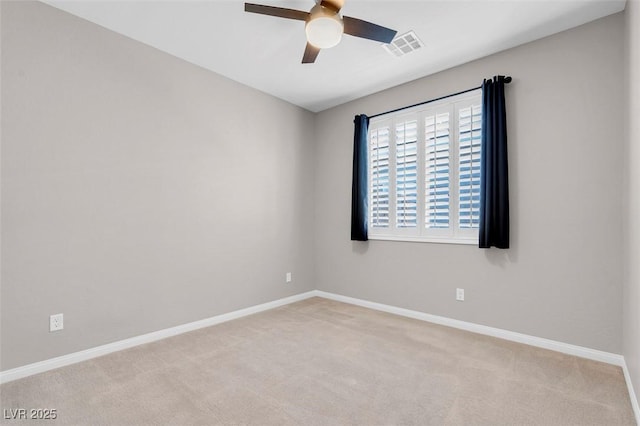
[444, 240]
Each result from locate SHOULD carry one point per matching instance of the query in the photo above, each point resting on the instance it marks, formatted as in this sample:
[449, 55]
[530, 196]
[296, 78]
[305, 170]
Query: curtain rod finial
[507, 79]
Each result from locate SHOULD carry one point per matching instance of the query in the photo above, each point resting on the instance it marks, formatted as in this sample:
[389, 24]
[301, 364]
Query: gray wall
[139, 192]
[562, 277]
[631, 296]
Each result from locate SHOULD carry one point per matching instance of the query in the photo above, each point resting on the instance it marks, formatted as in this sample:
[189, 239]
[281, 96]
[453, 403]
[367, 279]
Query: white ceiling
[264, 52]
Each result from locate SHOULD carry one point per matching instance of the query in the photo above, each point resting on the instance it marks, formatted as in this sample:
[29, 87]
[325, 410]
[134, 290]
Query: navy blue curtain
[494, 170]
[359, 186]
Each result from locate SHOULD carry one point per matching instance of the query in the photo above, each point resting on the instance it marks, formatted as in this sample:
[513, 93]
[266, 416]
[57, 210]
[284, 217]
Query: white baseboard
[540, 342]
[61, 361]
[632, 393]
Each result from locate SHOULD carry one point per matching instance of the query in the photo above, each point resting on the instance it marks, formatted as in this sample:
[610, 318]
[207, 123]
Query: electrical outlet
[460, 294]
[56, 322]
[288, 277]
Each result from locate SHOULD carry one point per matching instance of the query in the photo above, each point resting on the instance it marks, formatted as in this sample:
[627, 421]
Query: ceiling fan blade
[280, 12]
[359, 28]
[310, 54]
[334, 5]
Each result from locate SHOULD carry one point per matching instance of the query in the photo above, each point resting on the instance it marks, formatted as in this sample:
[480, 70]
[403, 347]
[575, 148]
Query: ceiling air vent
[403, 44]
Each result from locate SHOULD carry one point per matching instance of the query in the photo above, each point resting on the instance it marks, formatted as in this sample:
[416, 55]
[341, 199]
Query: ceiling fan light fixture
[324, 31]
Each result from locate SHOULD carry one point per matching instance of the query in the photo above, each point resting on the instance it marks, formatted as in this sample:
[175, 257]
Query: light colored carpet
[320, 362]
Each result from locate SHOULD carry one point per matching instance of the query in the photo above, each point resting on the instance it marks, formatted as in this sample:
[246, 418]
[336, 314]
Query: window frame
[454, 234]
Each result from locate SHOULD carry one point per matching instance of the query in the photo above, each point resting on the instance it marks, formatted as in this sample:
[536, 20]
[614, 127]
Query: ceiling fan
[324, 26]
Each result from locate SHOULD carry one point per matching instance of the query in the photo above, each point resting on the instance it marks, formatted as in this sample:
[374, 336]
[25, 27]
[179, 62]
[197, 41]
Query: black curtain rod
[506, 80]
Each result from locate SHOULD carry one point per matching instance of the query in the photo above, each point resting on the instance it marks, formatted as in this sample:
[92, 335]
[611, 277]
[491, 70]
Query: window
[424, 172]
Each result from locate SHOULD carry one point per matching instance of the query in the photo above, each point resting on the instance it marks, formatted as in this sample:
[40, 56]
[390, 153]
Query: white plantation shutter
[424, 172]
[379, 177]
[469, 134]
[437, 166]
[407, 174]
